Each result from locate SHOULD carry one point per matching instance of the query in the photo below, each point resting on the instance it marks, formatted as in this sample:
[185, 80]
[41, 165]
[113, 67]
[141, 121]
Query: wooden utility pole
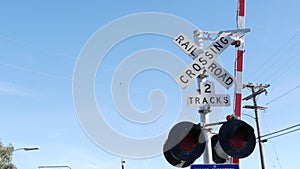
[261, 89]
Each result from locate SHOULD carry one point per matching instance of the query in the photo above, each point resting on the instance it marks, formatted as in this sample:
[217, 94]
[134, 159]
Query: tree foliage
[6, 153]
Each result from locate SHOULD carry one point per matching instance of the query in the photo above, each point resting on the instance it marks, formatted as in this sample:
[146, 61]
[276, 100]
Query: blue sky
[40, 42]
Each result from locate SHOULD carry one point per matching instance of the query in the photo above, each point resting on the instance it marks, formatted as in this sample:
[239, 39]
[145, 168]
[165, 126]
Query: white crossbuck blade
[204, 60]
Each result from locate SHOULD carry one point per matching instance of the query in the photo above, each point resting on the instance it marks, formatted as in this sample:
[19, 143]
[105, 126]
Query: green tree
[6, 153]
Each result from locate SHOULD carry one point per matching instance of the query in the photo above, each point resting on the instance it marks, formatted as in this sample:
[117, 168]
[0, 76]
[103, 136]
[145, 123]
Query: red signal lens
[236, 138]
[240, 137]
[184, 145]
[237, 141]
[189, 142]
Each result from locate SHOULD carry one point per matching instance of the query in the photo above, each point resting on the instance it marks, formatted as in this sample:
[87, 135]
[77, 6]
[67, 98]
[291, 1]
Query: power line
[43, 74]
[280, 131]
[284, 94]
[283, 134]
[36, 47]
[283, 67]
[275, 58]
[273, 146]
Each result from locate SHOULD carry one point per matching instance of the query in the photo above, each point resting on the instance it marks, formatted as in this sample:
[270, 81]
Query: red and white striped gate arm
[239, 64]
[239, 61]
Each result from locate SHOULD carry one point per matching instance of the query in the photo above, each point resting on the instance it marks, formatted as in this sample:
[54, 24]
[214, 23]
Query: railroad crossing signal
[204, 60]
[184, 145]
[186, 142]
[236, 138]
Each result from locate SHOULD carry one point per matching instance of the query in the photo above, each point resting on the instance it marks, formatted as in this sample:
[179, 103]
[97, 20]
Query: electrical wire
[275, 58]
[48, 75]
[43, 74]
[283, 134]
[273, 145]
[281, 54]
[284, 94]
[36, 47]
[278, 135]
[287, 60]
[285, 66]
[282, 130]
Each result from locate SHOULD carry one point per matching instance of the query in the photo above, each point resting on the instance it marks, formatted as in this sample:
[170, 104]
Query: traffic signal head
[184, 145]
[236, 138]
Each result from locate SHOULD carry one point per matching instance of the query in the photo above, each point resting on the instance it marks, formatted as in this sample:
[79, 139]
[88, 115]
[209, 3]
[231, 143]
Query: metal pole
[258, 131]
[239, 65]
[239, 61]
[204, 116]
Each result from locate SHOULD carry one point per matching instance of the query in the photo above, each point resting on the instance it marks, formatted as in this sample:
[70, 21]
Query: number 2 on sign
[207, 88]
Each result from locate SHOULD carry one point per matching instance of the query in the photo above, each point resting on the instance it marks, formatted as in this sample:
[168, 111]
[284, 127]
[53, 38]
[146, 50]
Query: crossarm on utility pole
[261, 89]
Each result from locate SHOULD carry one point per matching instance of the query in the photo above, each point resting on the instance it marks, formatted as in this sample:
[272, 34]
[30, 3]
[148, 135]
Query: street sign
[215, 166]
[187, 45]
[208, 97]
[213, 100]
[205, 60]
[207, 87]
[220, 74]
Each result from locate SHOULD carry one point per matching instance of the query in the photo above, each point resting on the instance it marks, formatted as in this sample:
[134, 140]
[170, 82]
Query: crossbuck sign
[204, 60]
